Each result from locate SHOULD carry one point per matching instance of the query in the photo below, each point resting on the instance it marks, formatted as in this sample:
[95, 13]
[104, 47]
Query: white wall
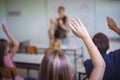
[106, 8]
[2, 17]
[31, 23]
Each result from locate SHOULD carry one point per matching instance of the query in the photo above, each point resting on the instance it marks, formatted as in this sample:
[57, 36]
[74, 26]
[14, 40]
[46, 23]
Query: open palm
[78, 28]
[111, 23]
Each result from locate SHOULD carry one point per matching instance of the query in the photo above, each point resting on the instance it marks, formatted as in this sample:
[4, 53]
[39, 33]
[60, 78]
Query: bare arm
[99, 65]
[13, 40]
[112, 25]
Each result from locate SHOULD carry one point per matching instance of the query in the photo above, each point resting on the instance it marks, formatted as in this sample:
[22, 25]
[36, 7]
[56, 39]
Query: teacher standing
[60, 26]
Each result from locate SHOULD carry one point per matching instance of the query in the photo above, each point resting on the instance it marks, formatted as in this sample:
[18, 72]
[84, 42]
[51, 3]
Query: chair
[31, 49]
[82, 74]
[8, 73]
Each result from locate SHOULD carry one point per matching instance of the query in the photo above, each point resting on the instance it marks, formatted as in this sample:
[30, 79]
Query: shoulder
[115, 56]
[88, 62]
[115, 53]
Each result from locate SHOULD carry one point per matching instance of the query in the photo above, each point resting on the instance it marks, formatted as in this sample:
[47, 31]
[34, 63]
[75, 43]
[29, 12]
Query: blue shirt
[112, 60]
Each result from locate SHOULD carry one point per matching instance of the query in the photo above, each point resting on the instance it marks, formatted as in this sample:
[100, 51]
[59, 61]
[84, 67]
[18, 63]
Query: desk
[28, 61]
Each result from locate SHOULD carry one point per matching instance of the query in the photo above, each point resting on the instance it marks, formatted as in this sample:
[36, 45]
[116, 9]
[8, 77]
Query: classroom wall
[30, 24]
[2, 17]
[103, 9]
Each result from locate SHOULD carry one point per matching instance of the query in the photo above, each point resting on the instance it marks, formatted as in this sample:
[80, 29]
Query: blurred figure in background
[60, 25]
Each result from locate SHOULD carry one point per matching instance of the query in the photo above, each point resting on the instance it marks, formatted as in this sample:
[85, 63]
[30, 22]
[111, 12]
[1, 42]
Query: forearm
[93, 51]
[12, 39]
[97, 74]
[97, 60]
[117, 30]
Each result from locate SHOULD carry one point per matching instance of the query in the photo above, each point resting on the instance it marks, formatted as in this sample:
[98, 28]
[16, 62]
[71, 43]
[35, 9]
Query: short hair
[101, 41]
[61, 8]
[55, 66]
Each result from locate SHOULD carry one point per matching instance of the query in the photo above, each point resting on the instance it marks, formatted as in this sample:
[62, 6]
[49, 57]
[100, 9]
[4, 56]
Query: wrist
[84, 38]
[88, 40]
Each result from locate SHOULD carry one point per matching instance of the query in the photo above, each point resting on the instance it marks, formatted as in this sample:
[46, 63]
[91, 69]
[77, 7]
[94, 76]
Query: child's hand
[78, 28]
[4, 28]
[111, 23]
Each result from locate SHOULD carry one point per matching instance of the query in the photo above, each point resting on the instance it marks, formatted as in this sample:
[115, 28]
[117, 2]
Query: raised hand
[4, 28]
[78, 28]
[13, 40]
[111, 23]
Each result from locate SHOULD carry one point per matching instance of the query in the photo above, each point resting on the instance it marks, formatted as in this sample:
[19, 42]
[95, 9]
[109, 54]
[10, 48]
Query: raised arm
[99, 65]
[112, 25]
[13, 40]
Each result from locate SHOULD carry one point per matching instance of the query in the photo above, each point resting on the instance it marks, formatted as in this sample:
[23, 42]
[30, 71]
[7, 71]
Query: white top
[28, 58]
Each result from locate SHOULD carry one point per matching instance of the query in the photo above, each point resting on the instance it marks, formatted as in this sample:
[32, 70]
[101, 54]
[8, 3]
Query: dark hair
[55, 66]
[101, 41]
[3, 48]
[61, 8]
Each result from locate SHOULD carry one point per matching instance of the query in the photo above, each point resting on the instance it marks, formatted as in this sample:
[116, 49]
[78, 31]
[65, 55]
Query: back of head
[101, 41]
[3, 50]
[55, 66]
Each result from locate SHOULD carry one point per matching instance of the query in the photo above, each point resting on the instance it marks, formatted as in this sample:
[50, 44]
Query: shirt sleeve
[88, 67]
[115, 57]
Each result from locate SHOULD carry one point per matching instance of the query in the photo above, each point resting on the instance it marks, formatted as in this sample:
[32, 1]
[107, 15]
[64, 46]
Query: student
[6, 57]
[112, 25]
[102, 43]
[56, 66]
[112, 60]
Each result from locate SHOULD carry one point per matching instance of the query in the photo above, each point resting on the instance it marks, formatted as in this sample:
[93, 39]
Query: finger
[3, 25]
[75, 23]
[75, 27]
[107, 17]
[80, 22]
[71, 27]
